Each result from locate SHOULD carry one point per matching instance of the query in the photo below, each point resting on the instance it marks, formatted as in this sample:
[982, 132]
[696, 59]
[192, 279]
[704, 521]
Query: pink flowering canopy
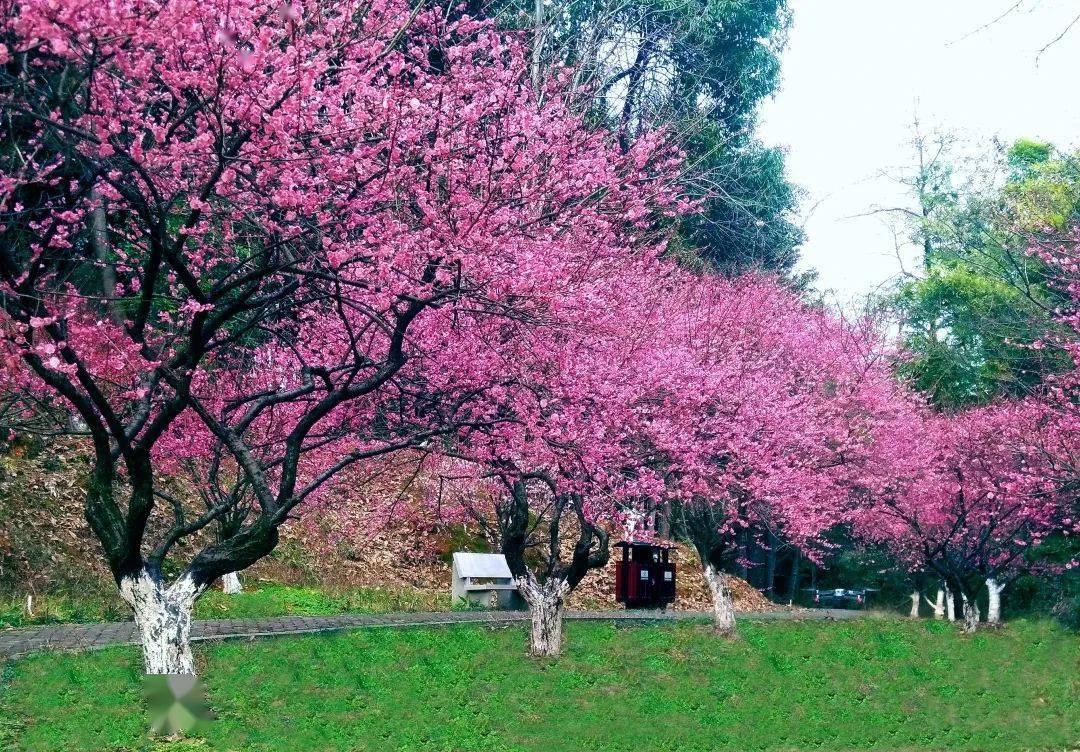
[734, 398]
[565, 441]
[312, 252]
[967, 496]
[964, 497]
[761, 409]
[324, 228]
[1060, 435]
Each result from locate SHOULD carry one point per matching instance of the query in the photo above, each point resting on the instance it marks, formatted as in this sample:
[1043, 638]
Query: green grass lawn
[255, 602]
[870, 684]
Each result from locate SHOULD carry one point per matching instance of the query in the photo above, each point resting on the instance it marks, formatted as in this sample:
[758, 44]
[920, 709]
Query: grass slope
[861, 685]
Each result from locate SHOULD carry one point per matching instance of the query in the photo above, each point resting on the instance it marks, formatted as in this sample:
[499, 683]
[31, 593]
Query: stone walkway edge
[76, 637]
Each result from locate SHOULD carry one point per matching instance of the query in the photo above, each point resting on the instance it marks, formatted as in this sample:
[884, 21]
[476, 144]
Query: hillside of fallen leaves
[46, 545]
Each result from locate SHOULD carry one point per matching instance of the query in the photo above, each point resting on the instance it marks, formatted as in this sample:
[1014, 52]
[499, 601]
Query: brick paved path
[18, 642]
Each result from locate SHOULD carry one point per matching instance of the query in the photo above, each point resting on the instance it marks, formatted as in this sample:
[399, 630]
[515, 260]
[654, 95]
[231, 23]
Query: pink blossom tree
[964, 496]
[763, 410]
[967, 496]
[549, 482]
[266, 227]
[1059, 439]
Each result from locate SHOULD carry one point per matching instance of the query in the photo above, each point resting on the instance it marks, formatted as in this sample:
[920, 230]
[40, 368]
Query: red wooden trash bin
[644, 575]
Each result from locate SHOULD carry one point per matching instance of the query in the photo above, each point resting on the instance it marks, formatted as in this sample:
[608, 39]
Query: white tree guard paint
[971, 614]
[230, 584]
[915, 598]
[723, 604]
[950, 605]
[993, 606]
[546, 608]
[163, 617]
[938, 605]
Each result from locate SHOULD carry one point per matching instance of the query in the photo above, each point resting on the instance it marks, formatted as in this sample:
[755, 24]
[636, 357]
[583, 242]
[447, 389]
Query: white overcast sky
[854, 74]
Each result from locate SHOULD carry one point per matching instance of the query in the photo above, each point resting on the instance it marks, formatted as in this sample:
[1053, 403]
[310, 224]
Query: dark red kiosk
[645, 575]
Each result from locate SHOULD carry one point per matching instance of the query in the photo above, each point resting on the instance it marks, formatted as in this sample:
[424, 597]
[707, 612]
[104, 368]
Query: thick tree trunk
[950, 605]
[993, 606]
[546, 609]
[545, 634]
[163, 616]
[723, 605]
[770, 567]
[793, 581]
[971, 613]
[915, 598]
[938, 605]
[230, 584]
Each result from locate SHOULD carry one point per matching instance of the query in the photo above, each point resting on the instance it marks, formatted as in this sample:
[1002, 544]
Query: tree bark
[100, 240]
[993, 606]
[163, 617]
[538, 41]
[915, 598]
[723, 605]
[793, 581]
[950, 605]
[546, 610]
[971, 613]
[770, 567]
[230, 584]
[938, 605]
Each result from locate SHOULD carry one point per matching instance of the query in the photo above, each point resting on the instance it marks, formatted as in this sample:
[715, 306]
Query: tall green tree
[702, 69]
[978, 321]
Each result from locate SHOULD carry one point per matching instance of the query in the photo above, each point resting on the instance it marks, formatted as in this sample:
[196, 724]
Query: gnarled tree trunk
[993, 606]
[546, 603]
[915, 597]
[723, 604]
[163, 617]
[230, 584]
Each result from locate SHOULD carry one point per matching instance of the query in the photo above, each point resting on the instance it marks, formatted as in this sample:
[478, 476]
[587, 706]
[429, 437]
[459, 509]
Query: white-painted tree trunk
[163, 616]
[915, 598]
[938, 605]
[971, 614]
[538, 40]
[546, 608]
[993, 606]
[723, 605]
[950, 605]
[230, 584]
